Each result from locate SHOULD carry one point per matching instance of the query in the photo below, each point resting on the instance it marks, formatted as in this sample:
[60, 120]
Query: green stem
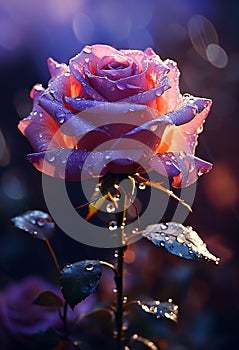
[119, 287]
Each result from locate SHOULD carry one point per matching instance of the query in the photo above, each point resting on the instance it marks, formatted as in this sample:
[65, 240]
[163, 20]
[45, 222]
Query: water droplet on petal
[87, 49]
[153, 127]
[50, 157]
[32, 221]
[87, 59]
[121, 86]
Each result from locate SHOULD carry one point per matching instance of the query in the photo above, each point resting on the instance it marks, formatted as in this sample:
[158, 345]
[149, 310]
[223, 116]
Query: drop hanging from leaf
[179, 240]
[36, 222]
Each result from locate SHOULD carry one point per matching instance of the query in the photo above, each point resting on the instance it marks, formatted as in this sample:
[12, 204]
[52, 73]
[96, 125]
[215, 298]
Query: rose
[20, 318]
[110, 97]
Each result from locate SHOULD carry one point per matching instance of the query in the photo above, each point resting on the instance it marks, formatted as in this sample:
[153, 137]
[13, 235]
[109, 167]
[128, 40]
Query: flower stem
[119, 254]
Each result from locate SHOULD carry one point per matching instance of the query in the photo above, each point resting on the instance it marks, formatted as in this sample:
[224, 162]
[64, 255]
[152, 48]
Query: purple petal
[40, 130]
[184, 168]
[71, 124]
[150, 95]
[115, 67]
[117, 90]
[76, 165]
[80, 104]
[56, 68]
[74, 67]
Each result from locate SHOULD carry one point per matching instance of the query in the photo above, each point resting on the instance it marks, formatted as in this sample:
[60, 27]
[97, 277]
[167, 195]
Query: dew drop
[200, 129]
[61, 120]
[181, 238]
[41, 222]
[117, 197]
[125, 300]
[50, 157]
[135, 230]
[40, 114]
[87, 60]
[87, 49]
[110, 208]
[168, 162]
[158, 93]
[35, 233]
[32, 221]
[164, 226]
[112, 88]
[121, 86]
[115, 290]
[142, 186]
[153, 127]
[162, 244]
[166, 237]
[89, 267]
[113, 225]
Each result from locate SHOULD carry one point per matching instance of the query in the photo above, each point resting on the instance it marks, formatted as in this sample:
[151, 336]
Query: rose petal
[115, 67]
[39, 128]
[69, 164]
[71, 124]
[150, 95]
[184, 168]
[56, 68]
[184, 137]
[172, 98]
[117, 90]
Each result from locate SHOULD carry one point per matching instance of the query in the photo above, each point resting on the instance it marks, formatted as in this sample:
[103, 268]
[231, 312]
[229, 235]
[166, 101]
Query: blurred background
[202, 36]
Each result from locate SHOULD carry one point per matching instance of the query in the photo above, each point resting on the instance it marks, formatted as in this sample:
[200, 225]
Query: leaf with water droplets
[39, 224]
[160, 309]
[79, 280]
[48, 298]
[179, 240]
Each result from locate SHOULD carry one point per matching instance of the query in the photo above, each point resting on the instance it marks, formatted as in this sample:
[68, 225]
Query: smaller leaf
[48, 298]
[179, 240]
[79, 280]
[160, 309]
[39, 224]
[46, 339]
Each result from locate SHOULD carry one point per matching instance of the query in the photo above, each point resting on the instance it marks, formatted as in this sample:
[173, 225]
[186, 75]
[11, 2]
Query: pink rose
[118, 111]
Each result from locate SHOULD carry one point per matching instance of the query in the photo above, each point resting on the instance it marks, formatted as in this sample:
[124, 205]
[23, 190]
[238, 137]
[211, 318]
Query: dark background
[30, 32]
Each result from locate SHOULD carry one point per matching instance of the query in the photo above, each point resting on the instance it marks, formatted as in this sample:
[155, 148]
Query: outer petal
[184, 168]
[184, 137]
[39, 128]
[56, 68]
[68, 164]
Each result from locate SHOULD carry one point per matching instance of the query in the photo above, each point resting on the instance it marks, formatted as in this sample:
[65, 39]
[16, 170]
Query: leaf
[48, 298]
[179, 240]
[79, 280]
[39, 224]
[46, 339]
[160, 309]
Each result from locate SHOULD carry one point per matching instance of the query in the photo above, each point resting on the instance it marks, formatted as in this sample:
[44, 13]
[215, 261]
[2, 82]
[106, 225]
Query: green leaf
[160, 309]
[46, 339]
[48, 298]
[79, 280]
[179, 240]
[39, 224]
